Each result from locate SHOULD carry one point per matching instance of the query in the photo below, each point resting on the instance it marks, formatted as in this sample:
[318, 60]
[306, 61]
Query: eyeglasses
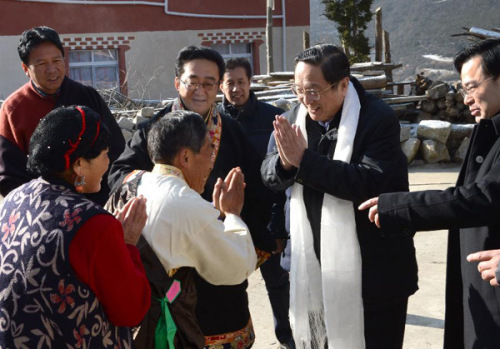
[207, 86]
[314, 95]
[469, 91]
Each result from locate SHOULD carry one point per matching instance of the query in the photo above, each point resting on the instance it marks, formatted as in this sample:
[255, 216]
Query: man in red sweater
[42, 56]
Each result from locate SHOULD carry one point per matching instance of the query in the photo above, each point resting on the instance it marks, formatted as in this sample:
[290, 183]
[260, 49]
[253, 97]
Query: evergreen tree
[352, 17]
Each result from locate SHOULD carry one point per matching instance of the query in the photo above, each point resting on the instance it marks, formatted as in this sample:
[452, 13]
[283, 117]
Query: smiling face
[46, 67]
[236, 86]
[484, 101]
[197, 71]
[200, 166]
[310, 77]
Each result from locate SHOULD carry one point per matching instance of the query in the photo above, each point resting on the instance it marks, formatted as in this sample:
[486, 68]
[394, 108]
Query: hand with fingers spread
[228, 195]
[133, 217]
[488, 264]
[290, 142]
[372, 204]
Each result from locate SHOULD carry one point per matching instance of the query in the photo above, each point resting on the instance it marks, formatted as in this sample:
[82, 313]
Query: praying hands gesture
[133, 217]
[289, 141]
[228, 195]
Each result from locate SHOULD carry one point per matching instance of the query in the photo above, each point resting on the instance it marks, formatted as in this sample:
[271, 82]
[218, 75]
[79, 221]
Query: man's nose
[468, 100]
[51, 67]
[307, 100]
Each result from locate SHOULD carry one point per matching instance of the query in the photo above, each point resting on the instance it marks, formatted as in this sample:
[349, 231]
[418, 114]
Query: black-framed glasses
[469, 91]
[207, 86]
[314, 95]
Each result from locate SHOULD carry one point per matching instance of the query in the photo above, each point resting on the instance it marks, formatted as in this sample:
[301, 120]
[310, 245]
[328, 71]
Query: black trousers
[385, 323]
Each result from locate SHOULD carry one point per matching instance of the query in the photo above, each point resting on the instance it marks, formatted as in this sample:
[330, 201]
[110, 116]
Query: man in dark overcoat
[336, 148]
[470, 209]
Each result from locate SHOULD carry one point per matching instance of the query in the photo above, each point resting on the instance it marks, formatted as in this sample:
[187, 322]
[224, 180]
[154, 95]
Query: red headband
[75, 145]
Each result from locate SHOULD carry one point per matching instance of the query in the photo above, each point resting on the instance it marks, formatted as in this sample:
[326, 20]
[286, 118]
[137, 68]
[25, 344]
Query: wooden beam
[378, 34]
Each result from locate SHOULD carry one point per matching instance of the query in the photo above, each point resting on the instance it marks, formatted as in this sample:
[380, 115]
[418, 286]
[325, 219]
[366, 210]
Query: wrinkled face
[483, 98]
[198, 71]
[310, 77]
[46, 67]
[93, 170]
[236, 86]
[197, 174]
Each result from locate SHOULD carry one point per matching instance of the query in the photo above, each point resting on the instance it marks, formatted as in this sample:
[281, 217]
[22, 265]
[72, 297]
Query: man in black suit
[470, 209]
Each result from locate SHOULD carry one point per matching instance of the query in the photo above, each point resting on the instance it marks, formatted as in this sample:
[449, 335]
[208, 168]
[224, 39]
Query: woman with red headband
[70, 274]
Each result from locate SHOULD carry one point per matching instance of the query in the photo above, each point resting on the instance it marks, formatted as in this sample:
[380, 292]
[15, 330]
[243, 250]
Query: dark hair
[488, 49]
[175, 130]
[33, 37]
[62, 136]
[239, 62]
[333, 62]
[190, 53]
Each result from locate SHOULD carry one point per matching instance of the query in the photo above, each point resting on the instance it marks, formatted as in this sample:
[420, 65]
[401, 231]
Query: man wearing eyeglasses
[349, 287]
[222, 311]
[470, 209]
[256, 118]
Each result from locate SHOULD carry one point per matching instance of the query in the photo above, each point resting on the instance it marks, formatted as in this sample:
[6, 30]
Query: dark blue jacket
[256, 119]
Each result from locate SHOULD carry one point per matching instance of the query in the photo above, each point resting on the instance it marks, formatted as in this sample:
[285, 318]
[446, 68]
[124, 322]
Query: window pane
[80, 56]
[82, 75]
[221, 48]
[240, 48]
[105, 78]
[104, 55]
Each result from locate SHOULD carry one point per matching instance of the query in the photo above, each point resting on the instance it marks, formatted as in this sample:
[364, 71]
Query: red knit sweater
[27, 104]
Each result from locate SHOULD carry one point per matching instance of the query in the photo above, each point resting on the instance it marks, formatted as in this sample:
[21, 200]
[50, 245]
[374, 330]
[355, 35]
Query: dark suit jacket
[377, 165]
[472, 211]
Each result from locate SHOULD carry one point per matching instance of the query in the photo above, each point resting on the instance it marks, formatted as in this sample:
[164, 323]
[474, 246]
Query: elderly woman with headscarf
[70, 275]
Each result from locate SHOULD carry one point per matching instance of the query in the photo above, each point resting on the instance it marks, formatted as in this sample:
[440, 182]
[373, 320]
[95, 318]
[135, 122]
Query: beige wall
[151, 58]
[11, 73]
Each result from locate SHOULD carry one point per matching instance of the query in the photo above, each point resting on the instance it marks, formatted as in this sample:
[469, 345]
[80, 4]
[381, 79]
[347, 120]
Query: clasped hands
[229, 194]
[289, 141]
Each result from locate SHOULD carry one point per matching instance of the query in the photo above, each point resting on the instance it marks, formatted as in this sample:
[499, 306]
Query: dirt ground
[425, 319]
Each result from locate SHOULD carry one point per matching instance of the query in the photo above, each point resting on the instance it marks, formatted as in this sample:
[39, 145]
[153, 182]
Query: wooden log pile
[444, 102]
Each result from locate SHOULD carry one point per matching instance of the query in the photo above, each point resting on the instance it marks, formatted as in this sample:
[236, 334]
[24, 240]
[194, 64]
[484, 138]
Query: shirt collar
[43, 94]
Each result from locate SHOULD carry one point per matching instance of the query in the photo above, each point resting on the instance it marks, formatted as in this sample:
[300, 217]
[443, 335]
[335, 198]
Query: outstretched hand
[372, 204]
[133, 217]
[488, 264]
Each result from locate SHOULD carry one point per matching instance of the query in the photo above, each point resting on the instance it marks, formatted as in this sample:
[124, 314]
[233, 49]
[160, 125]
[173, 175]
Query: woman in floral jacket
[70, 275]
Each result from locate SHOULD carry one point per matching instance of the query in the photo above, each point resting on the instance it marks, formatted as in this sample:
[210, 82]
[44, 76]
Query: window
[96, 68]
[234, 50]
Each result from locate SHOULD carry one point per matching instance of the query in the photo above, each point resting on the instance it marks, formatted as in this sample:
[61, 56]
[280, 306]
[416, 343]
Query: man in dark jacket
[42, 56]
[470, 209]
[343, 293]
[256, 118]
[198, 72]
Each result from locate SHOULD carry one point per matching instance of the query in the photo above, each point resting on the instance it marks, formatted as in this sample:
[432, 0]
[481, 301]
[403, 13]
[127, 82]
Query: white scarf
[325, 301]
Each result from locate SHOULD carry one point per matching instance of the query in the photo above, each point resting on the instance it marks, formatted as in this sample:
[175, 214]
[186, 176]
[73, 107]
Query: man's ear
[184, 158]
[344, 85]
[25, 69]
[177, 83]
